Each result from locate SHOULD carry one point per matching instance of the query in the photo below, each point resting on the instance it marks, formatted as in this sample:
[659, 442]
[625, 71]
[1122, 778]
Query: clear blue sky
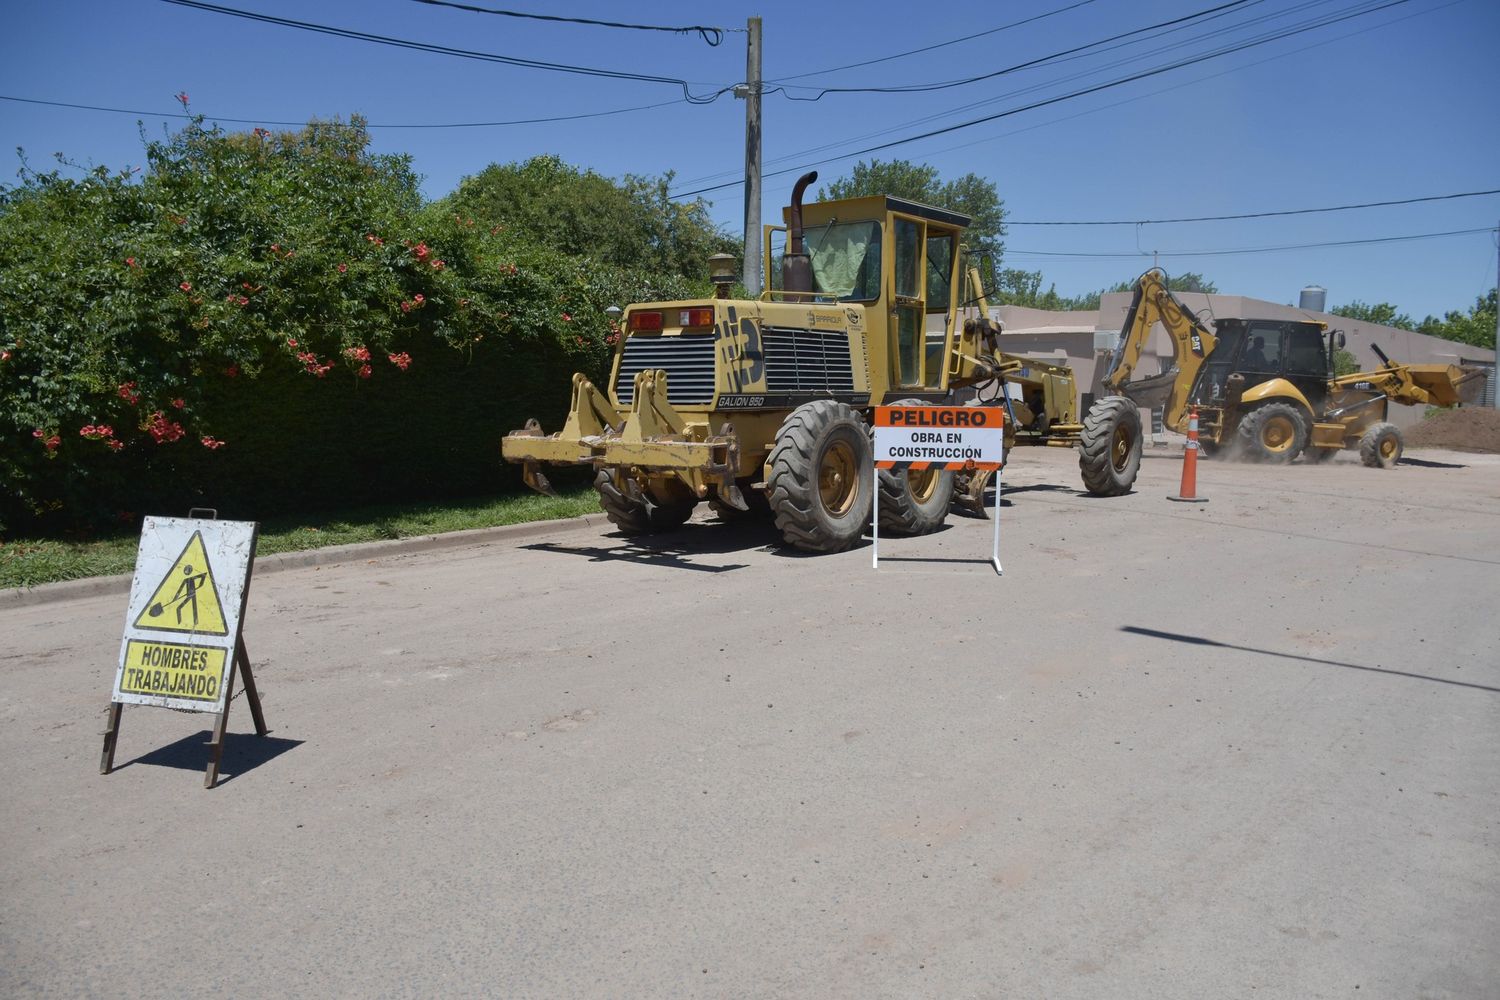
[1384, 106]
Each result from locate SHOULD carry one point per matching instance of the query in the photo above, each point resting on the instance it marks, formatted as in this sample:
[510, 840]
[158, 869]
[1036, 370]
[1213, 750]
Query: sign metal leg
[874, 517]
[111, 737]
[221, 724]
[995, 557]
[252, 695]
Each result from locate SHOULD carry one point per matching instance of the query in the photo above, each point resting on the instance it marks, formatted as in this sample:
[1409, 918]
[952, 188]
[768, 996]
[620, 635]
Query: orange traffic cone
[1189, 488]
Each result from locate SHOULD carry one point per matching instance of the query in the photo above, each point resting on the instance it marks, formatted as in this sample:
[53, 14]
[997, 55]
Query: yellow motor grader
[1265, 389]
[763, 404]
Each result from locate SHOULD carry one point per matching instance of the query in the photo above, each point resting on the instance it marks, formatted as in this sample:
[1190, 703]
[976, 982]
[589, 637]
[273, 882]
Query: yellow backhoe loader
[762, 404]
[1264, 389]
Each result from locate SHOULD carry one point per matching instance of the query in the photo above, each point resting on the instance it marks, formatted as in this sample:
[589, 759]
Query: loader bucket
[1449, 384]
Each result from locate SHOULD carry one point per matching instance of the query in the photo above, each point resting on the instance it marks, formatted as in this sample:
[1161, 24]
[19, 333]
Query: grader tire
[818, 485]
[1274, 434]
[1109, 449]
[634, 517]
[1381, 447]
[914, 502]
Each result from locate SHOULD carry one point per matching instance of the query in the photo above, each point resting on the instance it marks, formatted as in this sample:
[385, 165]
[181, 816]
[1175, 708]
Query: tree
[1382, 313]
[630, 223]
[970, 195]
[1476, 327]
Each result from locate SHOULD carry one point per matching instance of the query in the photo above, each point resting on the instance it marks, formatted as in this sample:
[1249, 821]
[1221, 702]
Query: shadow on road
[1197, 640]
[1427, 463]
[242, 752]
[673, 548]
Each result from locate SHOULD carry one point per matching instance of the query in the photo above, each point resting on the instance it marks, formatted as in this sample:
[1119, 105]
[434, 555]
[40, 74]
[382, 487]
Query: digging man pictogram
[186, 595]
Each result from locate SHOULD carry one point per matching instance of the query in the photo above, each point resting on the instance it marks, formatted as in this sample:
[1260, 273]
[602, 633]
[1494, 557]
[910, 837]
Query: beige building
[1083, 339]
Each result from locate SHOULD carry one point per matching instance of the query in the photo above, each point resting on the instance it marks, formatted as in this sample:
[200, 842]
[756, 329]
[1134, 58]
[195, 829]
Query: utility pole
[750, 91]
[1495, 371]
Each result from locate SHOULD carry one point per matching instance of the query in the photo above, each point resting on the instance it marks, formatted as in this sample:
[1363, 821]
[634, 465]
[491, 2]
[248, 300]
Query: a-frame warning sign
[187, 599]
[200, 596]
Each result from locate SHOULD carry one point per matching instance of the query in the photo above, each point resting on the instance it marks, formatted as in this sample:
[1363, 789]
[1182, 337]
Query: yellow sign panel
[187, 600]
[173, 670]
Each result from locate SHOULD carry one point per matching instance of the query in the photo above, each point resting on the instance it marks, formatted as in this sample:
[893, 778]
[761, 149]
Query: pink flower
[243, 301]
[130, 262]
[421, 251]
[178, 403]
[212, 443]
[406, 307]
[260, 133]
[186, 286]
[291, 341]
[567, 318]
[364, 371]
[418, 298]
[182, 98]
[343, 268]
[162, 430]
[233, 371]
[357, 353]
[4, 355]
[115, 445]
[437, 265]
[127, 392]
[401, 361]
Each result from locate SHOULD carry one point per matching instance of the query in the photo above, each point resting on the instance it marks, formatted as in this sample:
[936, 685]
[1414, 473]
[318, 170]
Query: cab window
[1262, 351]
[1304, 352]
[846, 260]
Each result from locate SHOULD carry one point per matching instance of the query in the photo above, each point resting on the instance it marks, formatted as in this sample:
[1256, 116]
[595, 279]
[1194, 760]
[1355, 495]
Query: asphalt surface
[1241, 748]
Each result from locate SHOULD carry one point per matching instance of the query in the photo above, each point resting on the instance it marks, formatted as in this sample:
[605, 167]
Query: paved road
[1245, 748]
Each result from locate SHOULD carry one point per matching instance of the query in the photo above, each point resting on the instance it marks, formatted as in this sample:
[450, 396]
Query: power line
[299, 124]
[1266, 215]
[919, 88]
[1054, 57]
[713, 36]
[1114, 255]
[1108, 85]
[929, 48]
[1188, 83]
[491, 57]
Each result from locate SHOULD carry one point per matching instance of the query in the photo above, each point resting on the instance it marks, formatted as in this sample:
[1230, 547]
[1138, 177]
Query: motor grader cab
[1266, 389]
[762, 404]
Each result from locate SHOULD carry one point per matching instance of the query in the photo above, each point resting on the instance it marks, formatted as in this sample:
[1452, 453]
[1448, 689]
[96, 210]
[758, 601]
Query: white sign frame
[229, 547]
[984, 446]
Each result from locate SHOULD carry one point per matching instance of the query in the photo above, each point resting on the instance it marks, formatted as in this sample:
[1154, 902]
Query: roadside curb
[67, 590]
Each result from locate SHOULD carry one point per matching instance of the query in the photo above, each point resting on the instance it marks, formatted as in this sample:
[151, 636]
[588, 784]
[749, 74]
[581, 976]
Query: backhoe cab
[762, 405]
[1265, 388]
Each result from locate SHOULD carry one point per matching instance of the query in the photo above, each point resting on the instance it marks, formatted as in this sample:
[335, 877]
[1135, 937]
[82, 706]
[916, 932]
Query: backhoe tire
[636, 517]
[819, 483]
[914, 502]
[1274, 434]
[1381, 447]
[1109, 449]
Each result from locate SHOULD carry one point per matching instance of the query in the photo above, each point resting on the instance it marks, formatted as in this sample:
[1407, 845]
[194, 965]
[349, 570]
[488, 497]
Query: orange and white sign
[943, 437]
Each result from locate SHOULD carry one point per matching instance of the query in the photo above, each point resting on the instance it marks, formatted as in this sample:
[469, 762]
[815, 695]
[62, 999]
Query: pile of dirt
[1472, 428]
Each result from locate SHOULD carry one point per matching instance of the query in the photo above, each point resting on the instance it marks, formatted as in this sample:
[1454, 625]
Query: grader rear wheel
[645, 516]
[1109, 449]
[818, 486]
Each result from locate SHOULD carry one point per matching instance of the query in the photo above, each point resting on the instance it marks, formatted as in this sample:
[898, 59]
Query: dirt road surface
[1244, 748]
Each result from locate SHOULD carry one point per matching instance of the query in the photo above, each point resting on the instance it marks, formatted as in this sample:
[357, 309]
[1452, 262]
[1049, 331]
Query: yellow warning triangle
[187, 600]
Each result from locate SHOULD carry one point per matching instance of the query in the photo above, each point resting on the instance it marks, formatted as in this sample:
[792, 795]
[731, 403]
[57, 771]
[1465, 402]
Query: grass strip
[30, 562]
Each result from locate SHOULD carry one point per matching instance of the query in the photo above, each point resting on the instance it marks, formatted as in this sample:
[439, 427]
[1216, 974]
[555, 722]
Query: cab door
[908, 301]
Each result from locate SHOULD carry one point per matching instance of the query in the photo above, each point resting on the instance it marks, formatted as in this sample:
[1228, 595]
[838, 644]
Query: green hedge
[266, 323]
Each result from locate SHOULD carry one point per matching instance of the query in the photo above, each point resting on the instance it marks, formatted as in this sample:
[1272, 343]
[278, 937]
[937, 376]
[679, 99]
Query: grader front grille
[687, 359]
[807, 360]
